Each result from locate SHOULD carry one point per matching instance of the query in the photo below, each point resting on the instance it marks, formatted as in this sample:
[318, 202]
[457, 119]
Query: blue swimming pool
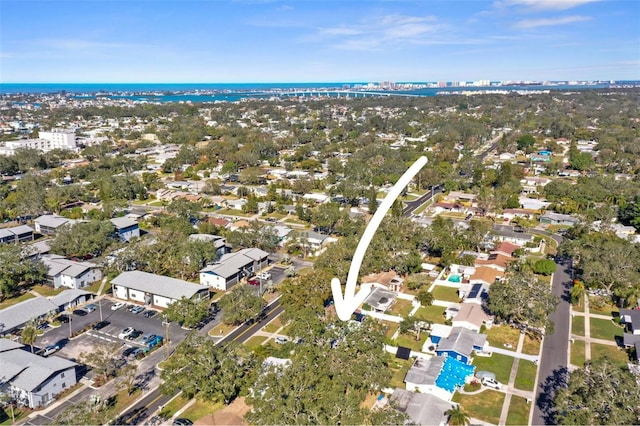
[454, 278]
[453, 374]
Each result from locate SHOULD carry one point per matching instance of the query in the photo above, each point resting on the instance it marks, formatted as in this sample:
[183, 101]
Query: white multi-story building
[48, 141]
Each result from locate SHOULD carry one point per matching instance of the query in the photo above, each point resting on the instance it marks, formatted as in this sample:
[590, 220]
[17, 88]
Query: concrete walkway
[512, 378]
[587, 330]
[517, 354]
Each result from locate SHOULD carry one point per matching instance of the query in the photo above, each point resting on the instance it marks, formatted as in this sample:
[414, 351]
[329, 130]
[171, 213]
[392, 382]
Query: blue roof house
[460, 344]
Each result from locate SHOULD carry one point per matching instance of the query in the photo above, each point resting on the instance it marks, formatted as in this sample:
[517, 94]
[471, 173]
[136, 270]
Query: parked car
[254, 281]
[139, 353]
[127, 331]
[90, 307]
[149, 313]
[134, 335]
[264, 275]
[100, 325]
[117, 306]
[63, 319]
[146, 338]
[80, 312]
[181, 421]
[51, 349]
[129, 351]
[137, 309]
[491, 383]
[43, 326]
[156, 341]
[281, 340]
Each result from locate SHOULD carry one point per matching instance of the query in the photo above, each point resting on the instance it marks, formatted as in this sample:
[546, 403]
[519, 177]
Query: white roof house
[49, 223]
[232, 267]
[152, 289]
[63, 272]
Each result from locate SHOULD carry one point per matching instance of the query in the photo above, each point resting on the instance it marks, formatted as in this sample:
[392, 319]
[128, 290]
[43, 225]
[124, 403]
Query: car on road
[117, 306]
[124, 333]
[181, 421]
[491, 383]
[137, 309]
[134, 335]
[49, 350]
[90, 307]
[100, 325]
[281, 340]
[80, 312]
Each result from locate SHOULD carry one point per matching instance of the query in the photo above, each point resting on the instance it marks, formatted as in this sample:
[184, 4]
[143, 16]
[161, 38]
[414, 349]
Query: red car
[254, 281]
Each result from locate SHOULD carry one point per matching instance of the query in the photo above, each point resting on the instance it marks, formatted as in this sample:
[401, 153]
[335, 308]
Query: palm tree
[457, 416]
[425, 298]
[577, 292]
[29, 334]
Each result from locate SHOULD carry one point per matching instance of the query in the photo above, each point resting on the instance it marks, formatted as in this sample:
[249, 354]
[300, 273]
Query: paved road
[553, 362]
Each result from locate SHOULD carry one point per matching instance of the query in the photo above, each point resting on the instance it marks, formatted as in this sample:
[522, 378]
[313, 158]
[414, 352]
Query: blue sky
[318, 40]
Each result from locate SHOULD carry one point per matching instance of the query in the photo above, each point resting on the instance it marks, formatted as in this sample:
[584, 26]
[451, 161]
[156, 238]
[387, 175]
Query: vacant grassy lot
[526, 377]
[448, 294]
[518, 411]
[577, 325]
[435, 314]
[496, 363]
[200, 409]
[409, 341]
[577, 353]
[605, 329]
[485, 406]
[498, 335]
[615, 354]
[531, 345]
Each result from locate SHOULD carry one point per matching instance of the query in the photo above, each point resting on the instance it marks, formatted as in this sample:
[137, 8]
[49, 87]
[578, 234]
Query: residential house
[509, 214]
[16, 316]
[474, 293]
[506, 233]
[155, 290]
[219, 222]
[16, 234]
[551, 218]
[49, 224]
[220, 243]
[232, 267]
[495, 260]
[485, 275]
[461, 343]
[316, 198]
[631, 320]
[33, 380]
[390, 280]
[506, 249]
[126, 228]
[313, 240]
[422, 408]
[380, 299]
[472, 316]
[235, 204]
[532, 203]
[423, 374]
[62, 272]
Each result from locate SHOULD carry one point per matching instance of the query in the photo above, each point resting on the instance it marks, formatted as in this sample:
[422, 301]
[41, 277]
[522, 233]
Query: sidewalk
[510, 389]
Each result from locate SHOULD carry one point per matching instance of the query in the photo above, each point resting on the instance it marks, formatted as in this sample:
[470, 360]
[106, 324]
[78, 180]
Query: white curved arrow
[345, 306]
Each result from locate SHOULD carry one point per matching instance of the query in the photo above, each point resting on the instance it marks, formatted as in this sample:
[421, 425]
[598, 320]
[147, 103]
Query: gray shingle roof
[462, 341]
[60, 265]
[425, 371]
[158, 284]
[51, 221]
[67, 296]
[422, 408]
[27, 371]
[122, 222]
[20, 313]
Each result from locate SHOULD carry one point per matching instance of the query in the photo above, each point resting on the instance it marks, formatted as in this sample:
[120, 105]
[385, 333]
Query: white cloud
[549, 22]
[544, 4]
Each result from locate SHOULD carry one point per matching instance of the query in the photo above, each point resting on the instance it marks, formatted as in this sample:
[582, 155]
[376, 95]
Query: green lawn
[447, 294]
[273, 326]
[46, 291]
[26, 296]
[518, 411]
[93, 288]
[496, 363]
[18, 413]
[485, 406]
[531, 345]
[399, 368]
[255, 341]
[577, 325]
[201, 409]
[498, 335]
[409, 341]
[402, 308]
[526, 377]
[433, 313]
[577, 353]
[616, 355]
[173, 406]
[605, 329]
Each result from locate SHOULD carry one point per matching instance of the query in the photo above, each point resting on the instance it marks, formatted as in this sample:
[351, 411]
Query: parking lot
[120, 319]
